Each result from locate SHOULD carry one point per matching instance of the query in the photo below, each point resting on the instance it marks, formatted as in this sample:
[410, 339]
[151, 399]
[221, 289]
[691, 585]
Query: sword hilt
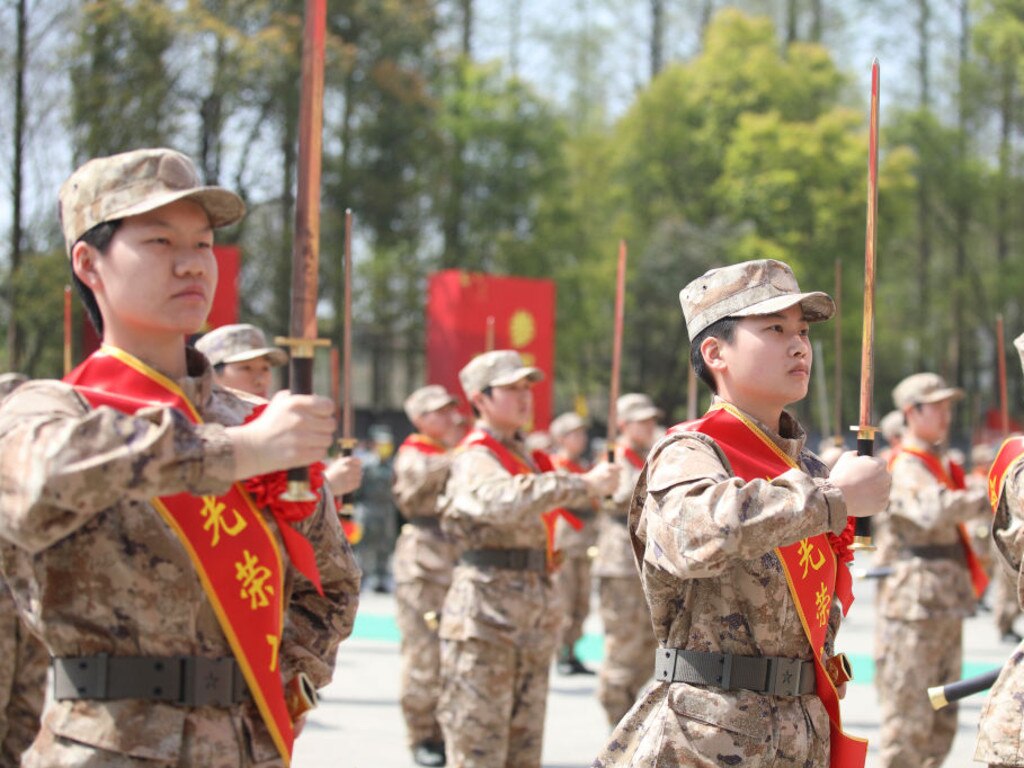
[862, 540]
[300, 382]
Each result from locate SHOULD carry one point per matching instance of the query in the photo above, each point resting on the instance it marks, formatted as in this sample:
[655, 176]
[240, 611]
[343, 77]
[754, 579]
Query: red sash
[560, 462]
[810, 564]
[423, 444]
[234, 552]
[515, 465]
[632, 457]
[1009, 452]
[954, 480]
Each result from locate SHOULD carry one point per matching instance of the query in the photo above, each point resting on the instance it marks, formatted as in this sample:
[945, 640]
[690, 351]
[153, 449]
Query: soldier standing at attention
[1002, 720]
[502, 616]
[23, 659]
[190, 612]
[572, 579]
[629, 641]
[242, 360]
[376, 507]
[423, 565]
[730, 525]
[922, 605]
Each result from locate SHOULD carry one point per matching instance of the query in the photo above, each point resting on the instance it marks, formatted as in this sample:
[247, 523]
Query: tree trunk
[454, 248]
[657, 36]
[791, 21]
[13, 336]
[962, 216]
[817, 20]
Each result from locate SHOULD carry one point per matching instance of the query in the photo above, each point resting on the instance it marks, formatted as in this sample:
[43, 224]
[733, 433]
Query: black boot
[429, 753]
[568, 664]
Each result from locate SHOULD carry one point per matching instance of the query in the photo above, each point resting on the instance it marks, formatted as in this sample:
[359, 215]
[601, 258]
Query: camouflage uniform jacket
[422, 553]
[704, 541]
[922, 512]
[614, 550]
[486, 507]
[1001, 728]
[95, 569]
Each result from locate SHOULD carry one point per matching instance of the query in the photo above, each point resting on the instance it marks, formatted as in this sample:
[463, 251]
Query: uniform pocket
[722, 727]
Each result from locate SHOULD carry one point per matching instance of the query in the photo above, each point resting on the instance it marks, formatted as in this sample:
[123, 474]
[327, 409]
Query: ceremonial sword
[613, 389]
[866, 432]
[303, 340]
[348, 441]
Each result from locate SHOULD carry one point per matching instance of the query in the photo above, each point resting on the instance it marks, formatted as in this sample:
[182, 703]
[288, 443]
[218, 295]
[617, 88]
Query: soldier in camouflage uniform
[242, 360]
[629, 641]
[23, 659]
[98, 574]
[423, 564]
[707, 542]
[501, 616]
[1002, 718]
[572, 579]
[922, 605]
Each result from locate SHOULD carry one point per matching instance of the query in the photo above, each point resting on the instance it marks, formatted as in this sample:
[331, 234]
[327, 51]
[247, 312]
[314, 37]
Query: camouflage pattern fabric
[499, 627]
[1001, 728]
[376, 511]
[1005, 605]
[917, 655]
[704, 541]
[917, 606]
[23, 665]
[629, 643]
[572, 580]
[423, 565]
[95, 569]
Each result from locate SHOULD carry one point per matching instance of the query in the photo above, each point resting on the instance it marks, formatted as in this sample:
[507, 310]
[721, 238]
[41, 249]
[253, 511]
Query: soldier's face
[574, 443]
[930, 421]
[252, 376]
[640, 434]
[158, 276]
[440, 425]
[509, 407]
[769, 359]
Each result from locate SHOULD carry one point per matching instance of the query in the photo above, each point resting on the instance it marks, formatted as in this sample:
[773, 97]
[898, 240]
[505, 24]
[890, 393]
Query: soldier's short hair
[99, 237]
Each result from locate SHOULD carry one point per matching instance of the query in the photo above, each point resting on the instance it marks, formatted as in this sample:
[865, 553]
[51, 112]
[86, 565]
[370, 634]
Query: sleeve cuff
[216, 472]
[836, 505]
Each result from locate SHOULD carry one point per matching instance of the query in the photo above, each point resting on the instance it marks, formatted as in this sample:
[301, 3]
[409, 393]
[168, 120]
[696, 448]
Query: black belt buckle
[80, 677]
[784, 676]
[208, 682]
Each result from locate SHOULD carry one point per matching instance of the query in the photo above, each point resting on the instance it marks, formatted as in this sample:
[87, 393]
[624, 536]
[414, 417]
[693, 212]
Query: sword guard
[301, 347]
[298, 490]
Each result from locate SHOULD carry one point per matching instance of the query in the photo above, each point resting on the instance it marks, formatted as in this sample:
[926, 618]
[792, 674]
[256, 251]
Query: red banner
[458, 307]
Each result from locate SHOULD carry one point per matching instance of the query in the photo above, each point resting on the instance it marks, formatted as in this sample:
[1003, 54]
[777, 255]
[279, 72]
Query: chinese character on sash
[807, 552]
[822, 602]
[253, 577]
[213, 511]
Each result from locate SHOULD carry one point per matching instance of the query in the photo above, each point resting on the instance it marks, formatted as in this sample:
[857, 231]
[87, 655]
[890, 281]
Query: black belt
[772, 675]
[193, 681]
[510, 559]
[431, 522]
[583, 514]
[935, 552]
[620, 519]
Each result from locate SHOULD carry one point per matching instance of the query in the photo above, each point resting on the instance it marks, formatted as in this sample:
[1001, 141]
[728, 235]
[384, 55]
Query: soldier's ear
[711, 351]
[83, 262]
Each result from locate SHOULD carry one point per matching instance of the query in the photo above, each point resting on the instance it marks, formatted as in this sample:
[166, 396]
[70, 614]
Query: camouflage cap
[237, 343]
[636, 407]
[496, 369]
[566, 423]
[892, 425]
[10, 382]
[432, 397]
[131, 183]
[923, 388]
[751, 288]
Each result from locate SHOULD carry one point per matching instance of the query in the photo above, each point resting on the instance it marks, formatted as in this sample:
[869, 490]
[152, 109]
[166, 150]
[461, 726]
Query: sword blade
[613, 389]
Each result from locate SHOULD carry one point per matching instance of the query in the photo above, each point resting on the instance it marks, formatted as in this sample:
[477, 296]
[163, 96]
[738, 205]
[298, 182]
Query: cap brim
[817, 306]
[277, 356]
[222, 206]
[436, 404]
[950, 393]
[528, 373]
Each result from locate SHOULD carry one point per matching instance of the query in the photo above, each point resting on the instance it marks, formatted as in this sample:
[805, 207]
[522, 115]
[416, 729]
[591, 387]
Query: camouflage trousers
[572, 581]
[629, 645]
[910, 657]
[493, 701]
[23, 665]
[421, 657]
[1004, 599]
[1001, 726]
[211, 738]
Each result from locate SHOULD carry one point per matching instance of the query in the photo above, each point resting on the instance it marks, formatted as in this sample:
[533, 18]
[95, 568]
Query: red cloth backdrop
[223, 311]
[458, 305]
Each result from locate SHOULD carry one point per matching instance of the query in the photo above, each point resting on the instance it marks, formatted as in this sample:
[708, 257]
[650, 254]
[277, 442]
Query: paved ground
[359, 724]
